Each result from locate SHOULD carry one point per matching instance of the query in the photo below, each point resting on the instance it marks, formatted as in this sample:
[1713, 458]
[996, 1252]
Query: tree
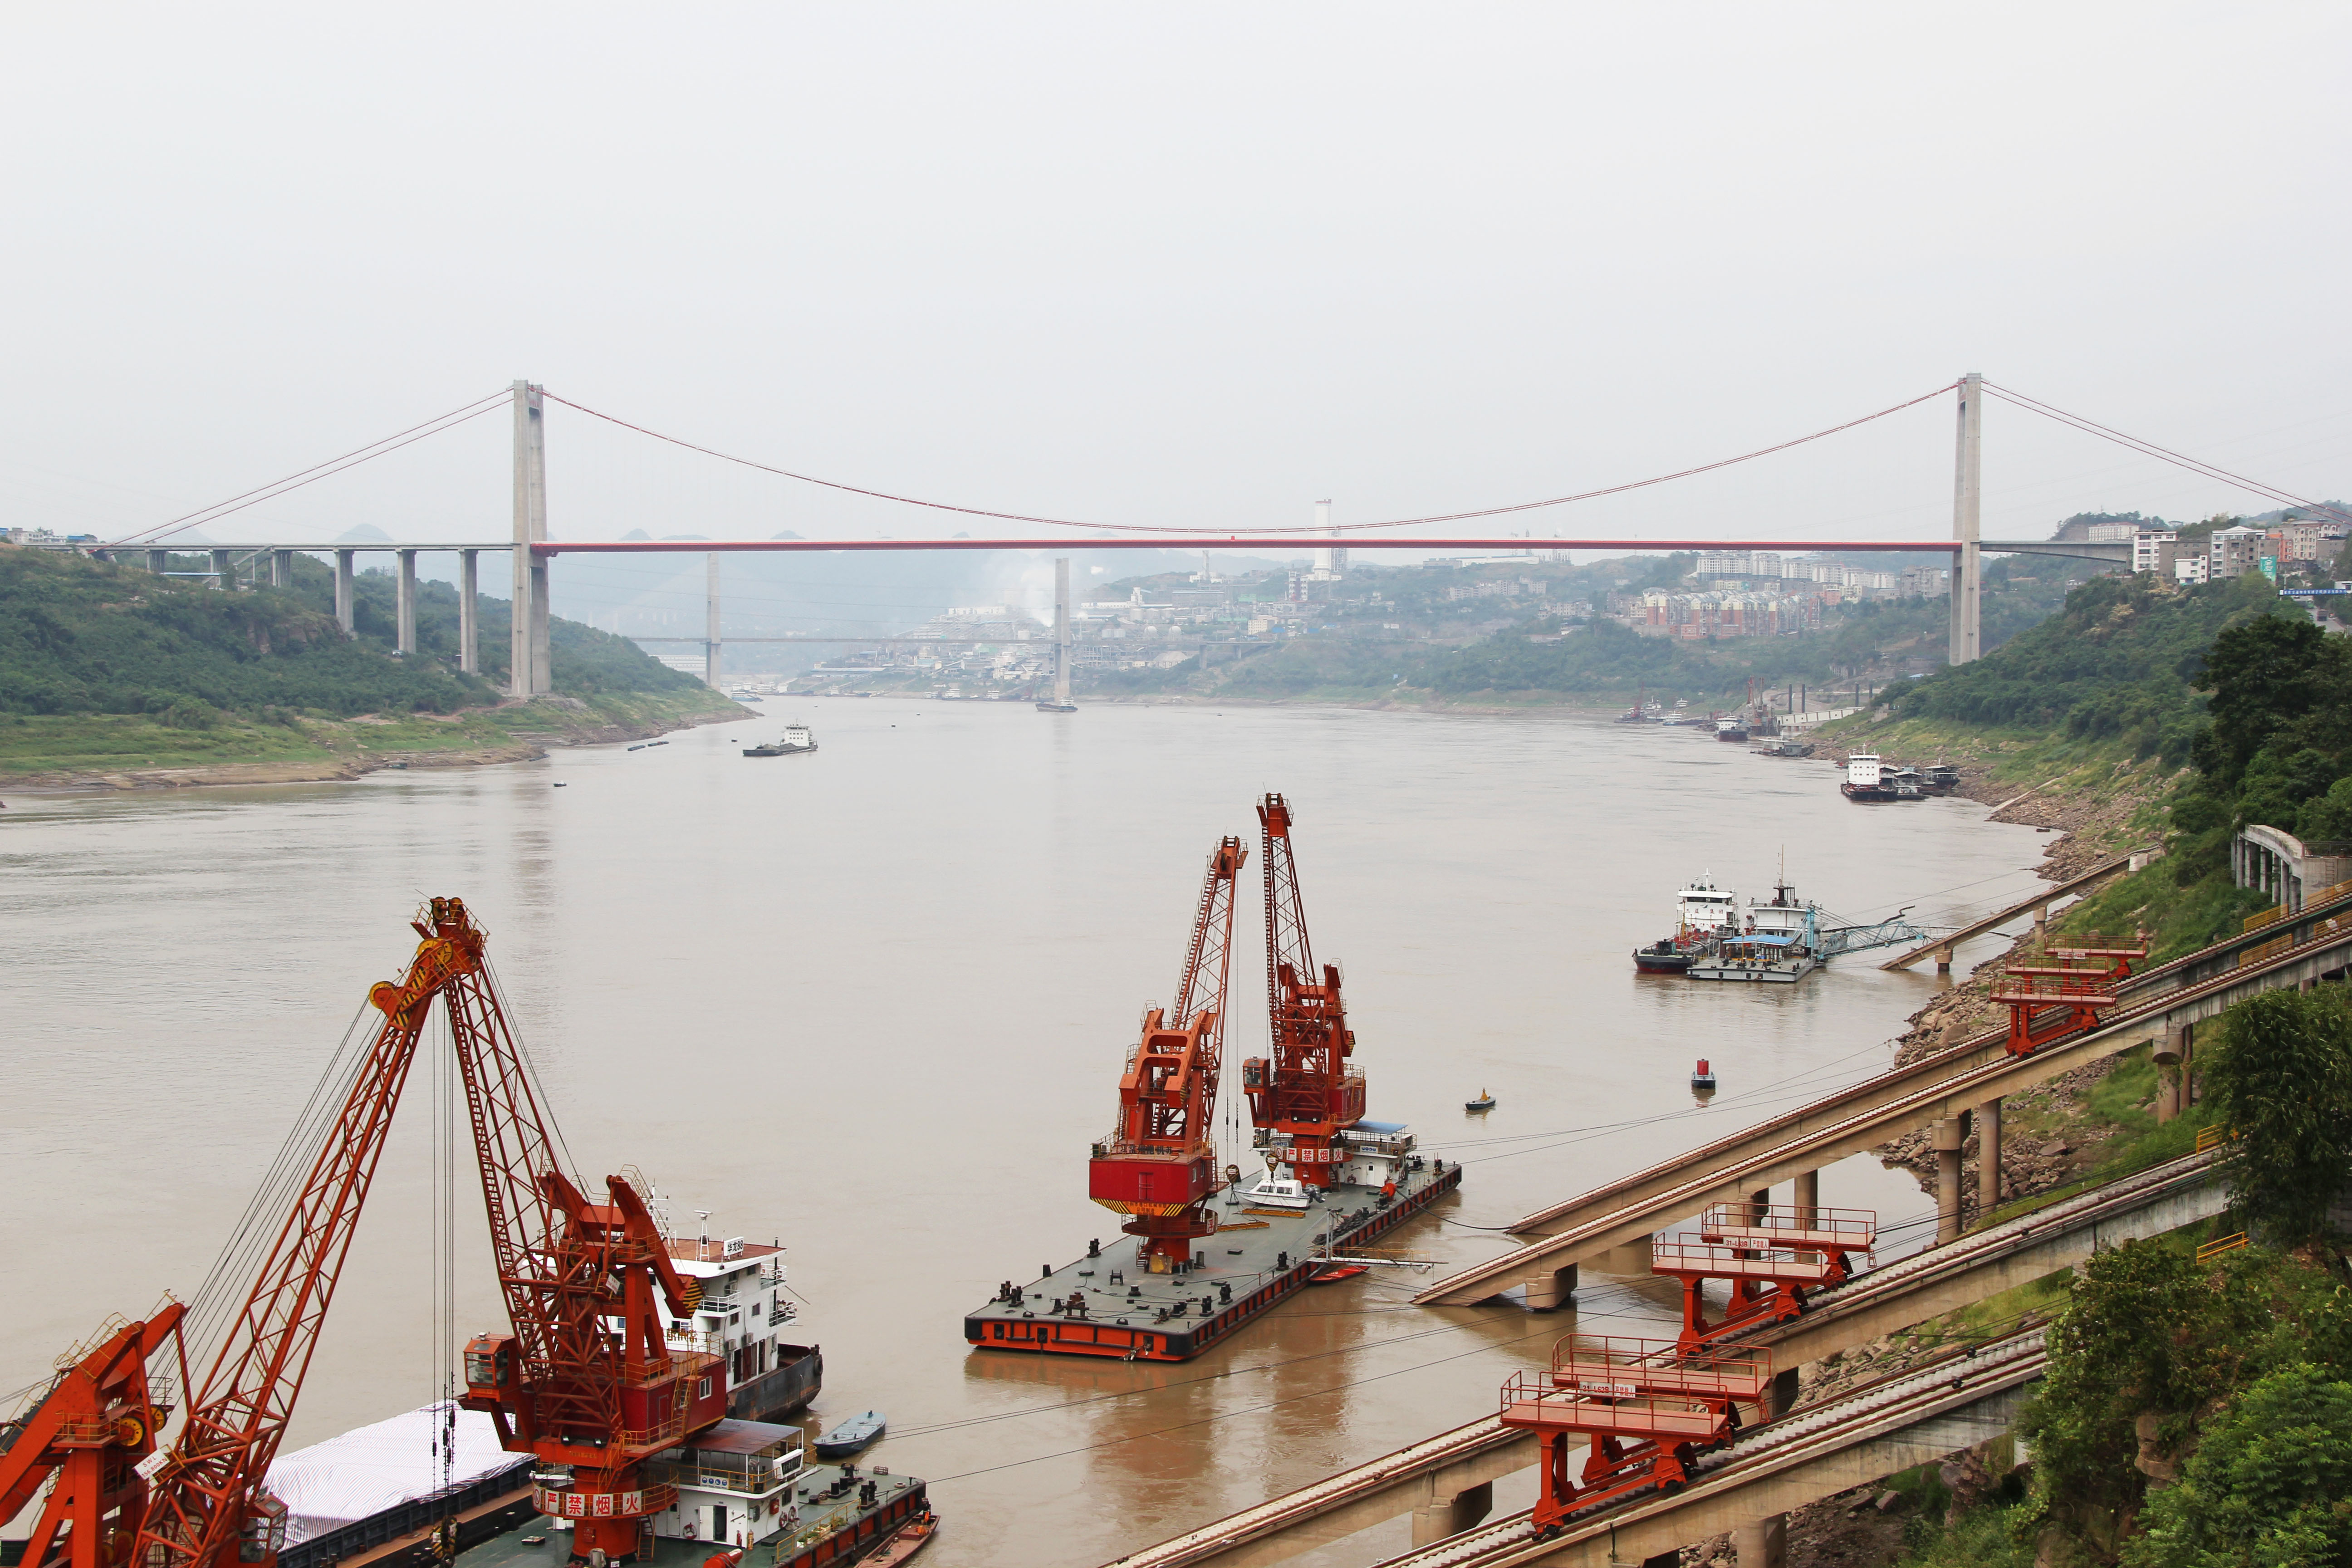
[2281, 1080]
[2264, 1485]
[2263, 677]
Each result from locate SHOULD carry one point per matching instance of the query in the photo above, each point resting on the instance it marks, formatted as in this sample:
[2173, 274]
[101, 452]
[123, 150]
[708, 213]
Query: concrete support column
[343, 587]
[1807, 1200]
[469, 622]
[1439, 1515]
[1763, 1544]
[528, 637]
[1968, 493]
[406, 618]
[221, 569]
[2167, 1055]
[1635, 1256]
[710, 635]
[1944, 959]
[1947, 1136]
[2187, 1066]
[2041, 925]
[1988, 1120]
[1549, 1293]
[1781, 1397]
[282, 568]
[159, 560]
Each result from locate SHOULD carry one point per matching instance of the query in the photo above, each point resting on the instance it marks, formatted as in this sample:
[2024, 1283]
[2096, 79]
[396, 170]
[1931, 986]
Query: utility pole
[1967, 496]
[710, 632]
[527, 658]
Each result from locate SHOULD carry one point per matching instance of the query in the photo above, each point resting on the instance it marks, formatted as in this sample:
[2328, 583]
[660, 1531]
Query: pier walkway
[2038, 905]
[1908, 1419]
[1446, 1481]
[1971, 1076]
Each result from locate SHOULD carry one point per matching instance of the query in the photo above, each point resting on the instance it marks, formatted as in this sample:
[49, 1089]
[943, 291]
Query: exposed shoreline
[570, 721]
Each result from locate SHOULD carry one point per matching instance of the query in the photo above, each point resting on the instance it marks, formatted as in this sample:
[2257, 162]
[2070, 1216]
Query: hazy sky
[1184, 264]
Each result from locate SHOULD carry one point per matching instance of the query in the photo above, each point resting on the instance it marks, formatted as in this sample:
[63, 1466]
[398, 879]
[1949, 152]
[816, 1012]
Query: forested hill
[83, 637]
[2121, 658]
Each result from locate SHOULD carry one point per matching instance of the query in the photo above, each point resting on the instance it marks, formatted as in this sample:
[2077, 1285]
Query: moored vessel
[1206, 1254]
[1703, 911]
[797, 738]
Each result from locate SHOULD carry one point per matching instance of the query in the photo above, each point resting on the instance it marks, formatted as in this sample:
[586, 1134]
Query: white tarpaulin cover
[364, 1471]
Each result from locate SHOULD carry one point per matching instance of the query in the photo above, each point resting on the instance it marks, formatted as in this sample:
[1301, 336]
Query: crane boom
[208, 1497]
[1303, 1090]
[1159, 1166]
[84, 1440]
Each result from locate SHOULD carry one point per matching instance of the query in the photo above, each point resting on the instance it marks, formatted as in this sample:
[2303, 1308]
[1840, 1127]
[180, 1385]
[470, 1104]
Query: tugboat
[1484, 1102]
[798, 739]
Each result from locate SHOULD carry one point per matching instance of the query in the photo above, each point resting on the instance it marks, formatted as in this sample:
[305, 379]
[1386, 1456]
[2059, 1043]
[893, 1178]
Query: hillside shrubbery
[2121, 659]
[82, 636]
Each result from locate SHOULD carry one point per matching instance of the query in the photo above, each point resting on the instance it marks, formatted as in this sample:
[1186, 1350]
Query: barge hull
[1243, 1254]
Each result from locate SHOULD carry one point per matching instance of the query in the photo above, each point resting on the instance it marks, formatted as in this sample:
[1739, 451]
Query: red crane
[208, 1500]
[586, 1382]
[88, 1433]
[1304, 1090]
[1160, 1165]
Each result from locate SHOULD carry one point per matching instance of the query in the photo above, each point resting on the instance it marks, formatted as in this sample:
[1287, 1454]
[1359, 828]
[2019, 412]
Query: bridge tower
[1967, 496]
[528, 660]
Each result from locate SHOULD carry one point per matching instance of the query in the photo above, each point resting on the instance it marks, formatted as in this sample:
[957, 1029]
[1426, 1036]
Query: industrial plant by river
[873, 1003]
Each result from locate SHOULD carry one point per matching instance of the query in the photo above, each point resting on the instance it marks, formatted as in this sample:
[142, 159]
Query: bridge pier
[710, 632]
[1438, 1515]
[1946, 1137]
[1988, 1120]
[405, 633]
[1550, 1292]
[159, 561]
[344, 588]
[1763, 1544]
[221, 570]
[2169, 1056]
[282, 568]
[1807, 1197]
[469, 626]
[1944, 959]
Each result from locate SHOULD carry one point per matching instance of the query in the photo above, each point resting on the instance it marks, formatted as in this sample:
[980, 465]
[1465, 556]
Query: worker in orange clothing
[1388, 1188]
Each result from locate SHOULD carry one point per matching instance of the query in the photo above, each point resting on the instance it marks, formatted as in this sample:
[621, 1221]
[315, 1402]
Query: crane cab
[490, 1371]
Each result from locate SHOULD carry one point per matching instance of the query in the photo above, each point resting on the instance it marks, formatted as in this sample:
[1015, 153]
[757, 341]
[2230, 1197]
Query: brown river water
[874, 1003]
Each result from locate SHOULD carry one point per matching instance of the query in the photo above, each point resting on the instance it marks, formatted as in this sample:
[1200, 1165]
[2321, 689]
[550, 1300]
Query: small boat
[1484, 1102]
[1332, 1273]
[1058, 708]
[905, 1541]
[1663, 956]
[852, 1435]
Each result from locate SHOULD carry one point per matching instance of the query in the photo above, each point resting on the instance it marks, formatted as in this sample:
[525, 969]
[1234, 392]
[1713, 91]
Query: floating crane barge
[1207, 1252]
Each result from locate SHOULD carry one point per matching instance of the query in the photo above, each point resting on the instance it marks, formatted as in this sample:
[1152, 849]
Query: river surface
[874, 1003]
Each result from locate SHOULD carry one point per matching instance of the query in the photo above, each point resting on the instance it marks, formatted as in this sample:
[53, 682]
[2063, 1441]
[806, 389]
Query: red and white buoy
[1703, 1075]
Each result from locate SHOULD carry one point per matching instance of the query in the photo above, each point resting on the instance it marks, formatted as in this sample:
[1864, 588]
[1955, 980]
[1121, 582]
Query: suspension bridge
[532, 552]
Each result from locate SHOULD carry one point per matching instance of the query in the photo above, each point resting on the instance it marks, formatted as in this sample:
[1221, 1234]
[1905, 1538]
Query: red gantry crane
[586, 1382]
[1160, 1167]
[1304, 1090]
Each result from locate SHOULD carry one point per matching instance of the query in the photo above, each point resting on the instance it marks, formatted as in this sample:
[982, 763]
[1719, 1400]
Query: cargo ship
[1869, 781]
[798, 739]
[1206, 1254]
[1703, 912]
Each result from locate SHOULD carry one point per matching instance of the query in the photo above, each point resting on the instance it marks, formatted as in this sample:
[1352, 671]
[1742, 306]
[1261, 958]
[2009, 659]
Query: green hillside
[105, 668]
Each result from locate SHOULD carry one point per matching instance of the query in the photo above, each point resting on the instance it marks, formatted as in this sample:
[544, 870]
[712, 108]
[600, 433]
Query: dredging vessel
[1206, 1253]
